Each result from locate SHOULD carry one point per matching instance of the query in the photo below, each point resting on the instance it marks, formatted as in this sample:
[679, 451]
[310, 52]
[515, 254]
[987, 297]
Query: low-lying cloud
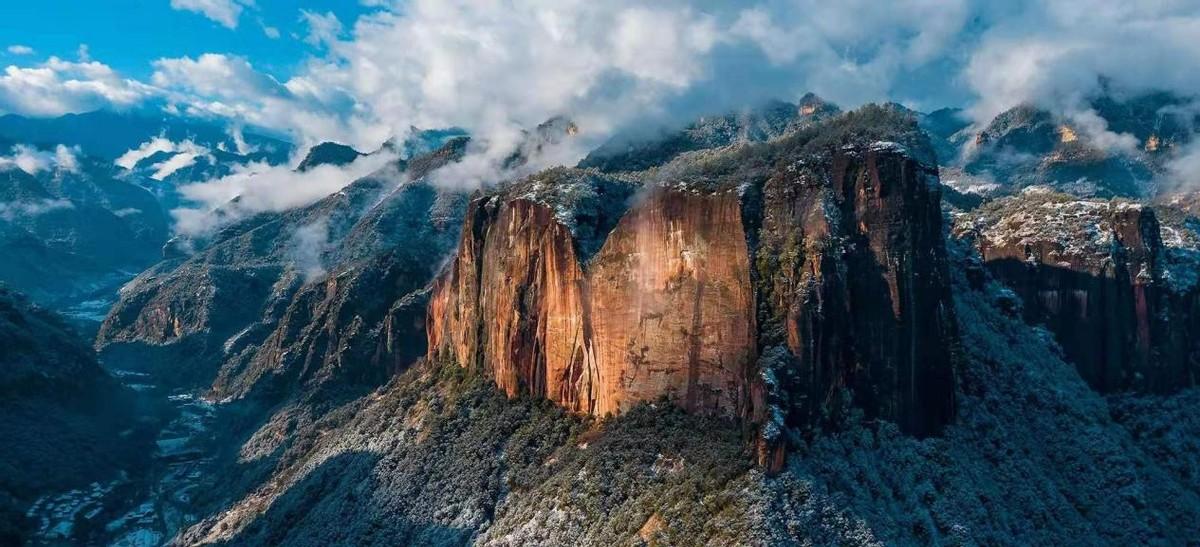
[13, 210]
[182, 154]
[258, 187]
[33, 160]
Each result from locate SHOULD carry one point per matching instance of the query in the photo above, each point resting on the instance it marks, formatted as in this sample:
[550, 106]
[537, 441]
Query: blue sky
[129, 34]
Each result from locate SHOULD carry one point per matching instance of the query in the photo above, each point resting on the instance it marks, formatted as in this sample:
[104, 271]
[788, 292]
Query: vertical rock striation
[779, 282]
[1099, 275]
[854, 280]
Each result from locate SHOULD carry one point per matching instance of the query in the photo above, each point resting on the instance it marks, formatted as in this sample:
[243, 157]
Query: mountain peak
[328, 153]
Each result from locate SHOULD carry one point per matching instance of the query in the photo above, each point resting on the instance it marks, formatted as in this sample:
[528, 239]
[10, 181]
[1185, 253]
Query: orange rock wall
[664, 310]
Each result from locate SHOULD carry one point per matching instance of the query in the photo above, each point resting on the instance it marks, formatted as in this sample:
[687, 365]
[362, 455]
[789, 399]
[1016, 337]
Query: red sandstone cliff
[830, 249]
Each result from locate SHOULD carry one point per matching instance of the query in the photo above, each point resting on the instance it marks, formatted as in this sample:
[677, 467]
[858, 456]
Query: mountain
[108, 135]
[947, 128]
[614, 307]
[782, 325]
[328, 153]
[1027, 146]
[75, 231]
[231, 312]
[640, 149]
[66, 422]
[758, 344]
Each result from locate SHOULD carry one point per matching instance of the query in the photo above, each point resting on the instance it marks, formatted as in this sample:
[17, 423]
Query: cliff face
[854, 281]
[833, 253]
[663, 309]
[1100, 276]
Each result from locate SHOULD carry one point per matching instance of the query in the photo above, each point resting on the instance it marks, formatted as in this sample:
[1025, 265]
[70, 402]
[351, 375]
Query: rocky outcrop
[853, 281]
[826, 244]
[1099, 275]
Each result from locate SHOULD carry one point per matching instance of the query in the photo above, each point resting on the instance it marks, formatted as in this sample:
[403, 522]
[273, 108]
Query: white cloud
[1055, 52]
[497, 67]
[33, 161]
[179, 161]
[259, 187]
[322, 28]
[182, 154]
[215, 75]
[18, 49]
[66, 158]
[58, 87]
[240, 145]
[309, 244]
[28, 159]
[225, 12]
[11, 210]
[153, 146]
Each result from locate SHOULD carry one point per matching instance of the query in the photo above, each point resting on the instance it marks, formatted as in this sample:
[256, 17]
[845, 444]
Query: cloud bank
[497, 68]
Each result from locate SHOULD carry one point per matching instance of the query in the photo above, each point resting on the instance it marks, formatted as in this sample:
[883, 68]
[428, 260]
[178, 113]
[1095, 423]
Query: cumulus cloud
[58, 87]
[224, 12]
[258, 187]
[309, 107]
[323, 28]
[18, 49]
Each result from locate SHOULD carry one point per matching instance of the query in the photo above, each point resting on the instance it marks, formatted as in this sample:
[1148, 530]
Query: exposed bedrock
[780, 294]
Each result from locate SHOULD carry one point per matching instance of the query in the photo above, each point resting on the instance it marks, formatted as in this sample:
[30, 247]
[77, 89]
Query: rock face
[853, 273]
[1098, 274]
[827, 243]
